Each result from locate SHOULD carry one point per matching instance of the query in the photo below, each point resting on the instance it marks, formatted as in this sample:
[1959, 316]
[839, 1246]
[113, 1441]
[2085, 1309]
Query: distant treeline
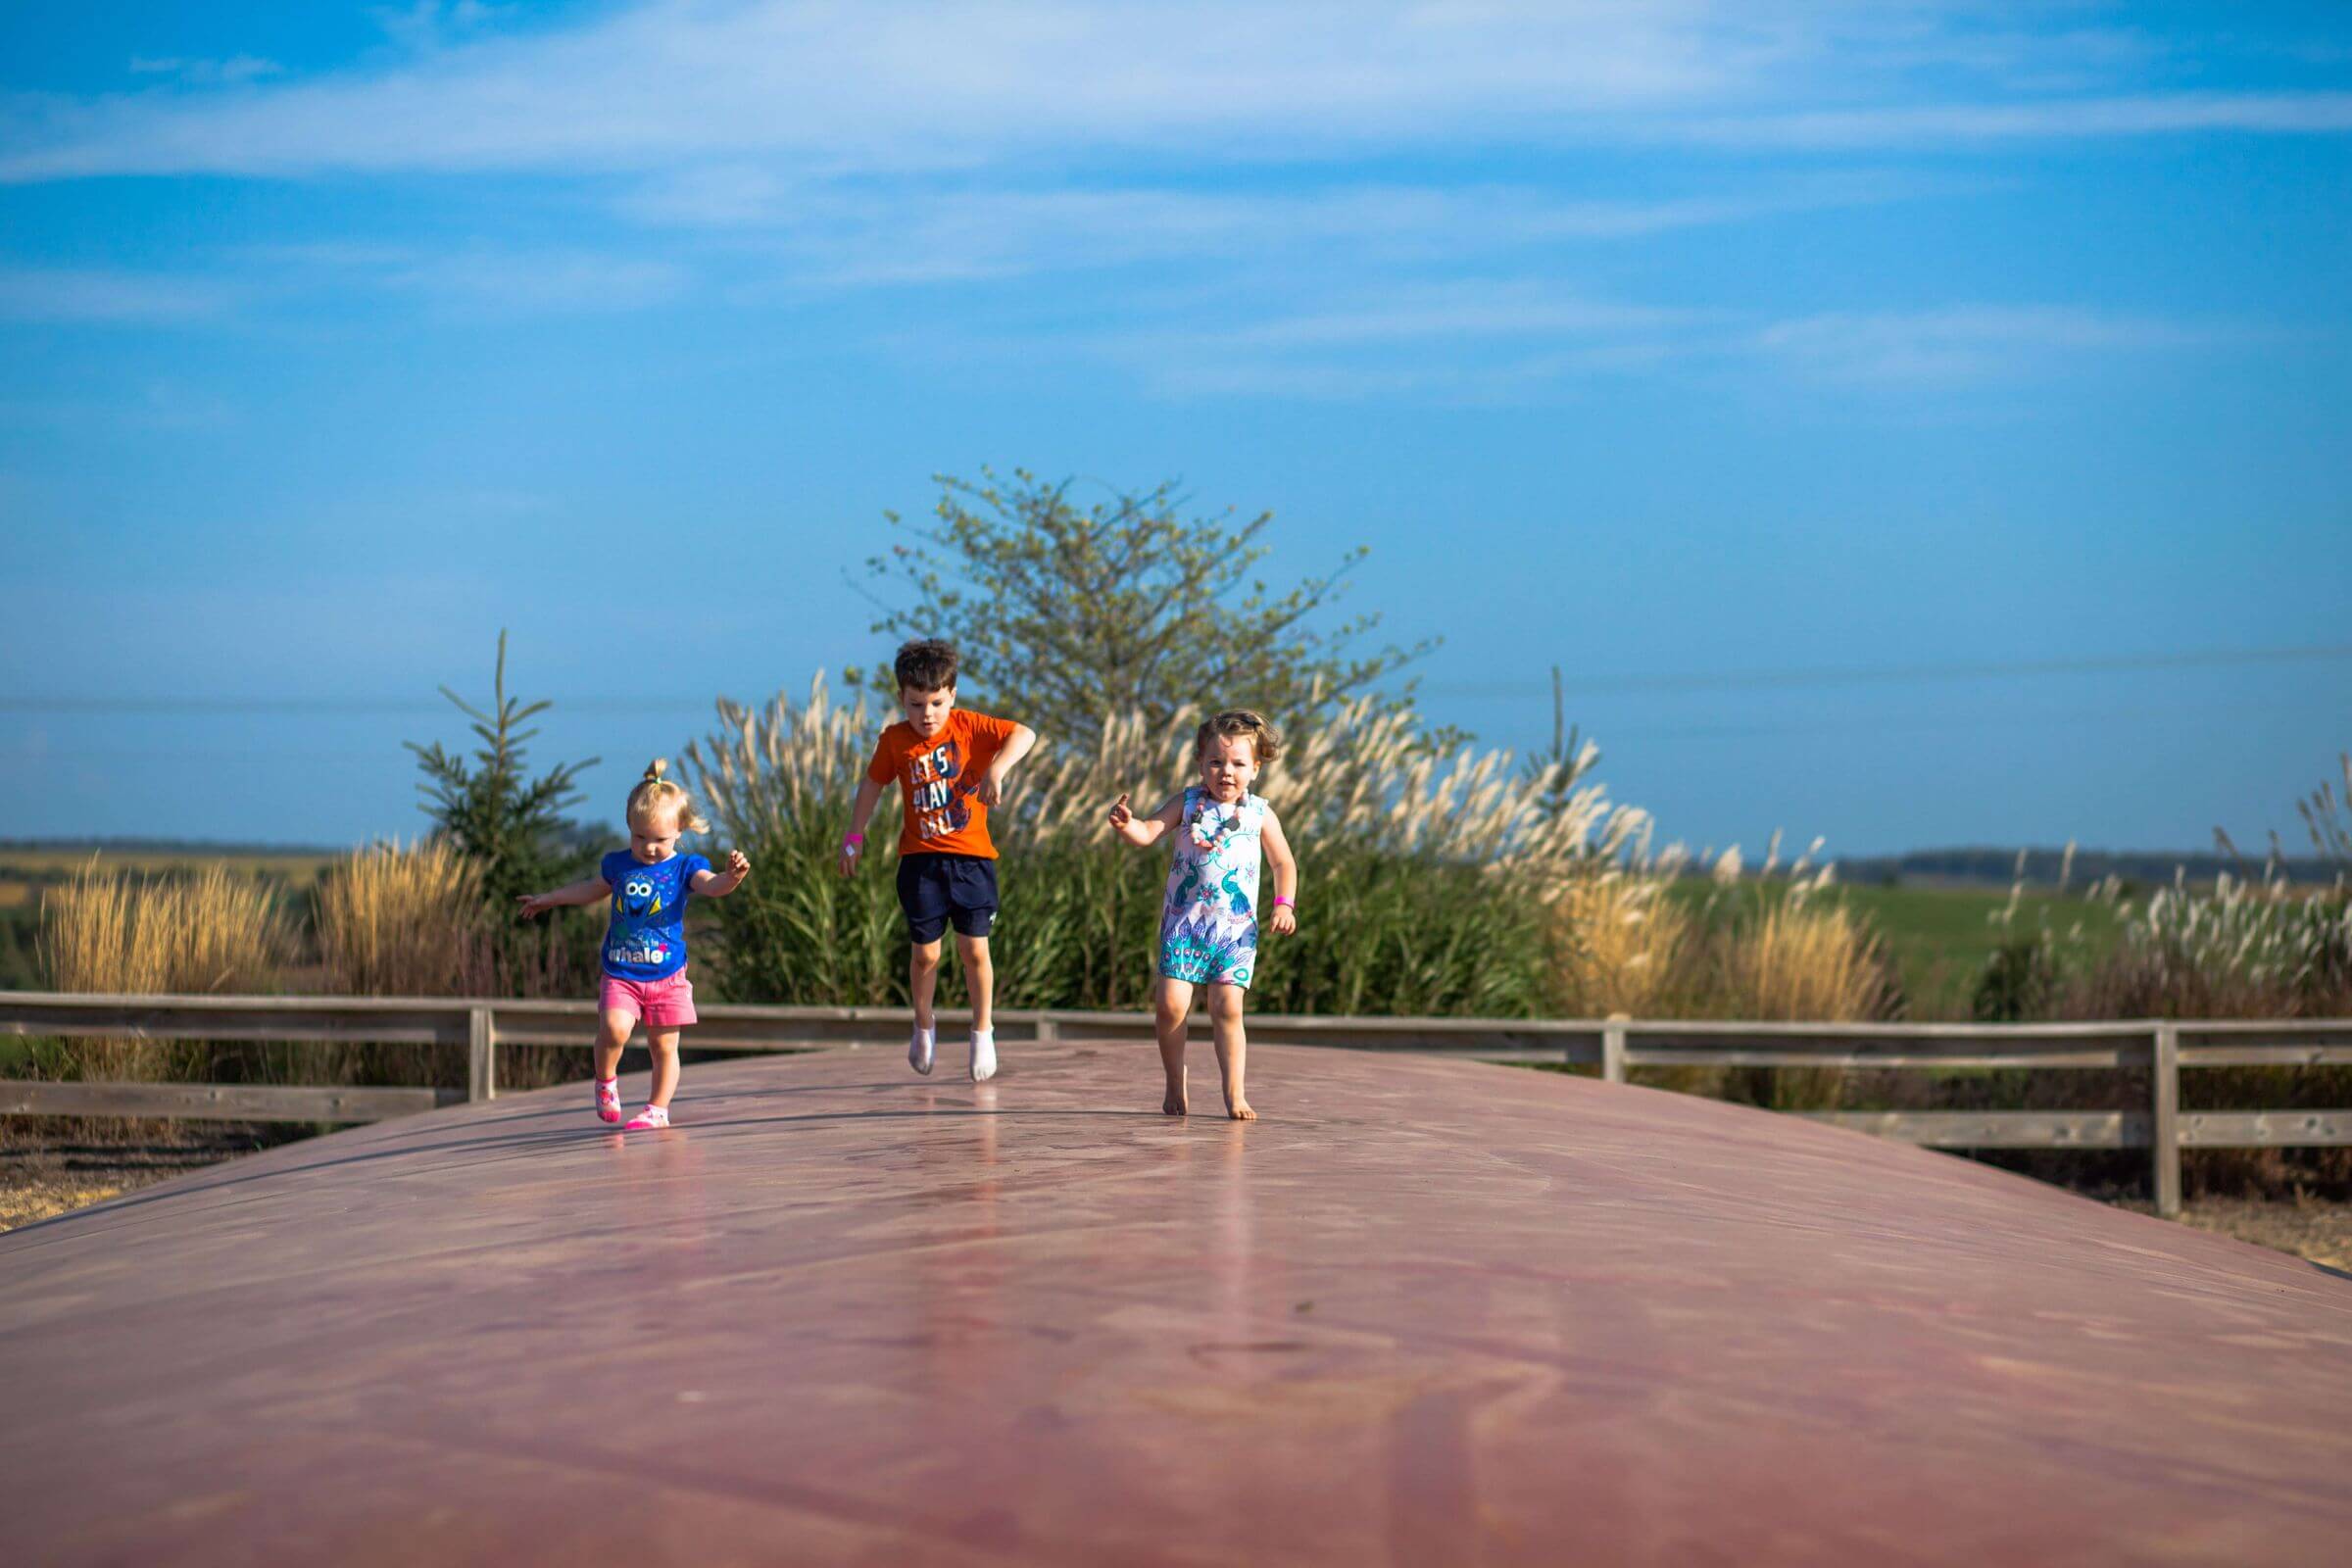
[1989, 867]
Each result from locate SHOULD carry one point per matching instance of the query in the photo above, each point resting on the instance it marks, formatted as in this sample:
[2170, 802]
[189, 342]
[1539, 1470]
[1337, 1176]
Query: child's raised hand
[739, 864]
[1120, 816]
[532, 904]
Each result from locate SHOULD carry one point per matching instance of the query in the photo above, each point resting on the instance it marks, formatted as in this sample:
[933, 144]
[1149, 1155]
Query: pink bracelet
[853, 838]
[1283, 899]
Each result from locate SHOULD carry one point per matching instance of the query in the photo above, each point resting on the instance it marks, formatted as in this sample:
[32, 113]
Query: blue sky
[1859, 400]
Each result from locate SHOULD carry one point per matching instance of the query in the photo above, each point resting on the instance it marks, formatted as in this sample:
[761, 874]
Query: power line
[1607, 685]
[1621, 685]
[330, 707]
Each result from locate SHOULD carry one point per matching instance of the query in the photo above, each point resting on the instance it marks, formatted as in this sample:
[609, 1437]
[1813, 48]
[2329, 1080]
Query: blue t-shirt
[646, 939]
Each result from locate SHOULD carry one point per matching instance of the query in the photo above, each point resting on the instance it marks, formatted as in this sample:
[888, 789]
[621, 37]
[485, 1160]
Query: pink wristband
[853, 838]
[1281, 899]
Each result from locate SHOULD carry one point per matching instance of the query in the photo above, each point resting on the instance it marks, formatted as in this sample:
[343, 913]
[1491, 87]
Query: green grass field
[1941, 937]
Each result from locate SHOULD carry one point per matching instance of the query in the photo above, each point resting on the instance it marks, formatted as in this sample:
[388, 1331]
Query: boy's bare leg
[665, 1066]
[980, 982]
[1171, 1004]
[611, 1036]
[979, 979]
[1233, 1047]
[923, 980]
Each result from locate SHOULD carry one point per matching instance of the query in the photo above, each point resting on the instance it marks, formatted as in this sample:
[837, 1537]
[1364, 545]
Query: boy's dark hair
[926, 664]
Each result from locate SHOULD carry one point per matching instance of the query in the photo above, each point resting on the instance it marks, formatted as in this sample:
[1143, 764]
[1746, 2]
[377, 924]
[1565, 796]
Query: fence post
[2164, 1123]
[481, 1054]
[1049, 1028]
[1612, 1049]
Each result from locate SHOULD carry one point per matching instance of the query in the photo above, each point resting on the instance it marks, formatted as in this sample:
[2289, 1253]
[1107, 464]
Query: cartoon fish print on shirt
[637, 896]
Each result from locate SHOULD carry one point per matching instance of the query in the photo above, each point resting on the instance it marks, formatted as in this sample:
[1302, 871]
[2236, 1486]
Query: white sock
[918, 1049]
[984, 1055]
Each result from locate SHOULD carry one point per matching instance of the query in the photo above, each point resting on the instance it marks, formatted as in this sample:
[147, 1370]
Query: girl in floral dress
[1208, 925]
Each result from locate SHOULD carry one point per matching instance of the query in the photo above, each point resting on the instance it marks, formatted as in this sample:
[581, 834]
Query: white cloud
[2307, 113]
[63, 295]
[909, 231]
[1962, 341]
[205, 72]
[1507, 310]
[814, 88]
[479, 278]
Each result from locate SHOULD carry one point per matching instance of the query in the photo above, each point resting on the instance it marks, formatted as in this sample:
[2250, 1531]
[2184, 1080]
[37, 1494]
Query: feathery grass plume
[2327, 817]
[413, 920]
[407, 922]
[1426, 880]
[1805, 960]
[103, 932]
[1622, 946]
[2251, 948]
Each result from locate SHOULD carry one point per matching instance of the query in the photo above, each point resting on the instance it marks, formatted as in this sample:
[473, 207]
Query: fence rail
[1614, 1045]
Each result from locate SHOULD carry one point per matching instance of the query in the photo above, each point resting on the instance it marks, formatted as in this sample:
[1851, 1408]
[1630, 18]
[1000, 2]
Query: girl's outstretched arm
[1142, 830]
[1284, 919]
[719, 884]
[587, 890]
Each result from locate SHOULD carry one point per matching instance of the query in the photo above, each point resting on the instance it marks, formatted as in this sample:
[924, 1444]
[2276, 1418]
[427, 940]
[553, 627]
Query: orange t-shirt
[936, 779]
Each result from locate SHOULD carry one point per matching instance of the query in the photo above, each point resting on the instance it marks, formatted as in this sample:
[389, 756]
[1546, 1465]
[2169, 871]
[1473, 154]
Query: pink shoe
[646, 1120]
[608, 1100]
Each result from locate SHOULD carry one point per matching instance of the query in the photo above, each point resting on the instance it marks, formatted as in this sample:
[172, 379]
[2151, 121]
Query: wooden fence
[1613, 1045]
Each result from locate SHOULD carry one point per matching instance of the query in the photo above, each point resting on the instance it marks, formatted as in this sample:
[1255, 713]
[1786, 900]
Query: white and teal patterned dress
[1208, 927]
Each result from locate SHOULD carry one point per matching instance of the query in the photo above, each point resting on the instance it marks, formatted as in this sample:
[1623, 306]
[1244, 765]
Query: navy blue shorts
[940, 890]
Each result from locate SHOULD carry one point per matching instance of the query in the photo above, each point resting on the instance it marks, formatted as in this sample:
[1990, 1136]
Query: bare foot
[1239, 1109]
[1176, 1104]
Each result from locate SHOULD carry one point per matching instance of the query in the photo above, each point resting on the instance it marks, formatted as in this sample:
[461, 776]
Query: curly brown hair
[1266, 741]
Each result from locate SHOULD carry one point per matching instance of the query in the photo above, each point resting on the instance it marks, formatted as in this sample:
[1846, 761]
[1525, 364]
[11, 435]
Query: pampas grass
[406, 922]
[107, 933]
[1425, 881]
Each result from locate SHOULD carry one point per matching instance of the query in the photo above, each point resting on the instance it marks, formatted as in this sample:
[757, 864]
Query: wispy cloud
[816, 88]
[2276, 113]
[64, 294]
[912, 233]
[205, 72]
[1469, 340]
[1964, 341]
[478, 278]
[1462, 310]
[1517, 338]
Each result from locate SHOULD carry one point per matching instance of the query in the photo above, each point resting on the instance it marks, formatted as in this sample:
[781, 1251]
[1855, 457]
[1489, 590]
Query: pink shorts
[661, 1004]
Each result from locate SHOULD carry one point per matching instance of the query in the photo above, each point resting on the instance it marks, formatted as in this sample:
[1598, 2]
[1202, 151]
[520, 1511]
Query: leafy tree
[1063, 615]
[511, 826]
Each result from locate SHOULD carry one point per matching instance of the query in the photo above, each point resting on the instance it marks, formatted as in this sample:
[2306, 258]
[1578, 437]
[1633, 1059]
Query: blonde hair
[656, 796]
[1266, 741]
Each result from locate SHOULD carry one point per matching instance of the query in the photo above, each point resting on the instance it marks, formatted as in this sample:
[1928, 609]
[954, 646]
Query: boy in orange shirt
[950, 766]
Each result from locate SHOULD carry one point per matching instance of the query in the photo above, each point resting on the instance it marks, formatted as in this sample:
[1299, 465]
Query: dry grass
[406, 922]
[214, 930]
[1622, 946]
[103, 932]
[1805, 960]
